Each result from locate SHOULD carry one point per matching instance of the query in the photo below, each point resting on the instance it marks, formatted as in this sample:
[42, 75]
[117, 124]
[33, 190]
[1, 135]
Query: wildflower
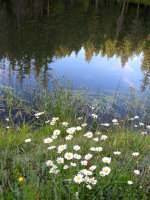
[51, 147]
[106, 170]
[117, 152]
[52, 170]
[130, 182]
[84, 124]
[48, 140]
[77, 156]
[52, 123]
[28, 140]
[135, 126]
[70, 130]
[93, 181]
[62, 147]
[49, 163]
[38, 114]
[96, 139]
[76, 147]
[106, 160]
[7, 119]
[104, 137]
[98, 149]
[148, 126]
[54, 137]
[73, 164]
[94, 116]
[137, 172]
[83, 162]
[89, 134]
[136, 117]
[56, 171]
[56, 132]
[69, 137]
[143, 133]
[86, 179]
[78, 128]
[92, 149]
[66, 167]
[60, 160]
[93, 167]
[54, 166]
[20, 179]
[65, 123]
[102, 173]
[114, 120]
[97, 133]
[79, 118]
[105, 124]
[68, 156]
[135, 154]
[87, 172]
[89, 187]
[54, 119]
[141, 124]
[46, 122]
[7, 127]
[88, 156]
[78, 178]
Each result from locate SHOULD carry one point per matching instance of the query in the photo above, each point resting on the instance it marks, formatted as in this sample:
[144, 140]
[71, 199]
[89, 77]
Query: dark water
[96, 44]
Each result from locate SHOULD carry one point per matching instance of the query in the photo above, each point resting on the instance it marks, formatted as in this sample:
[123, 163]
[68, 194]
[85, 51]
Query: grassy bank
[59, 145]
[26, 174]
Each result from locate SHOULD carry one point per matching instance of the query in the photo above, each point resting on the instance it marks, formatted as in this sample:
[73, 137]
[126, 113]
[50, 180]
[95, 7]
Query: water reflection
[106, 37]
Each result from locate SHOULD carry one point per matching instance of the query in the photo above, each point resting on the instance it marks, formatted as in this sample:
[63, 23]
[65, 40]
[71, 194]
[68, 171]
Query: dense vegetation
[34, 33]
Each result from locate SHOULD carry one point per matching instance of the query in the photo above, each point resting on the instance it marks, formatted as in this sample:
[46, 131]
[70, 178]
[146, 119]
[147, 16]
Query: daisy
[69, 137]
[78, 178]
[77, 156]
[98, 149]
[96, 139]
[66, 167]
[56, 171]
[51, 147]
[70, 130]
[105, 124]
[62, 147]
[73, 164]
[88, 156]
[76, 147]
[47, 121]
[68, 156]
[135, 154]
[48, 140]
[148, 126]
[114, 120]
[89, 134]
[60, 160]
[78, 128]
[84, 124]
[93, 167]
[141, 124]
[89, 187]
[56, 132]
[117, 152]
[52, 123]
[97, 133]
[52, 170]
[86, 179]
[54, 119]
[93, 181]
[83, 162]
[38, 114]
[102, 173]
[94, 116]
[104, 137]
[106, 160]
[54, 137]
[28, 140]
[65, 123]
[130, 182]
[49, 163]
[136, 117]
[106, 170]
[137, 172]
[88, 173]
[92, 149]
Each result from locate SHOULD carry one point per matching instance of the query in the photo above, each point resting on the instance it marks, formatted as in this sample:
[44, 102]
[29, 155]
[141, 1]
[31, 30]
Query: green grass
[28, 160]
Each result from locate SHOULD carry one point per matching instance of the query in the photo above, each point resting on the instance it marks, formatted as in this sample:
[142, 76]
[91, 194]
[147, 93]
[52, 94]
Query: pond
[99, 45]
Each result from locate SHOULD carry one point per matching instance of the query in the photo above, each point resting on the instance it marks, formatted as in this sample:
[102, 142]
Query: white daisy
[83, 162]
[84, 124]
[106, 160]
[93, 181]
[135, 154]
[88, 156]
[49, 163]
[92, 149]
[117, 152]
[65, 123]
[73, 164]
[94, 116]
[28, 140]
[106, 170]
[48, 140]
[76, 147]
[78, 178]
[77, 156]
[56, 132]
[93, 167]
[137, 172]
[68, 155]
[130, 182]
[69, 137]
[89, 134]
[60, 160]
[89, 187]
[51, 147]
[66, 167]
[99, 149]
[104, 137]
